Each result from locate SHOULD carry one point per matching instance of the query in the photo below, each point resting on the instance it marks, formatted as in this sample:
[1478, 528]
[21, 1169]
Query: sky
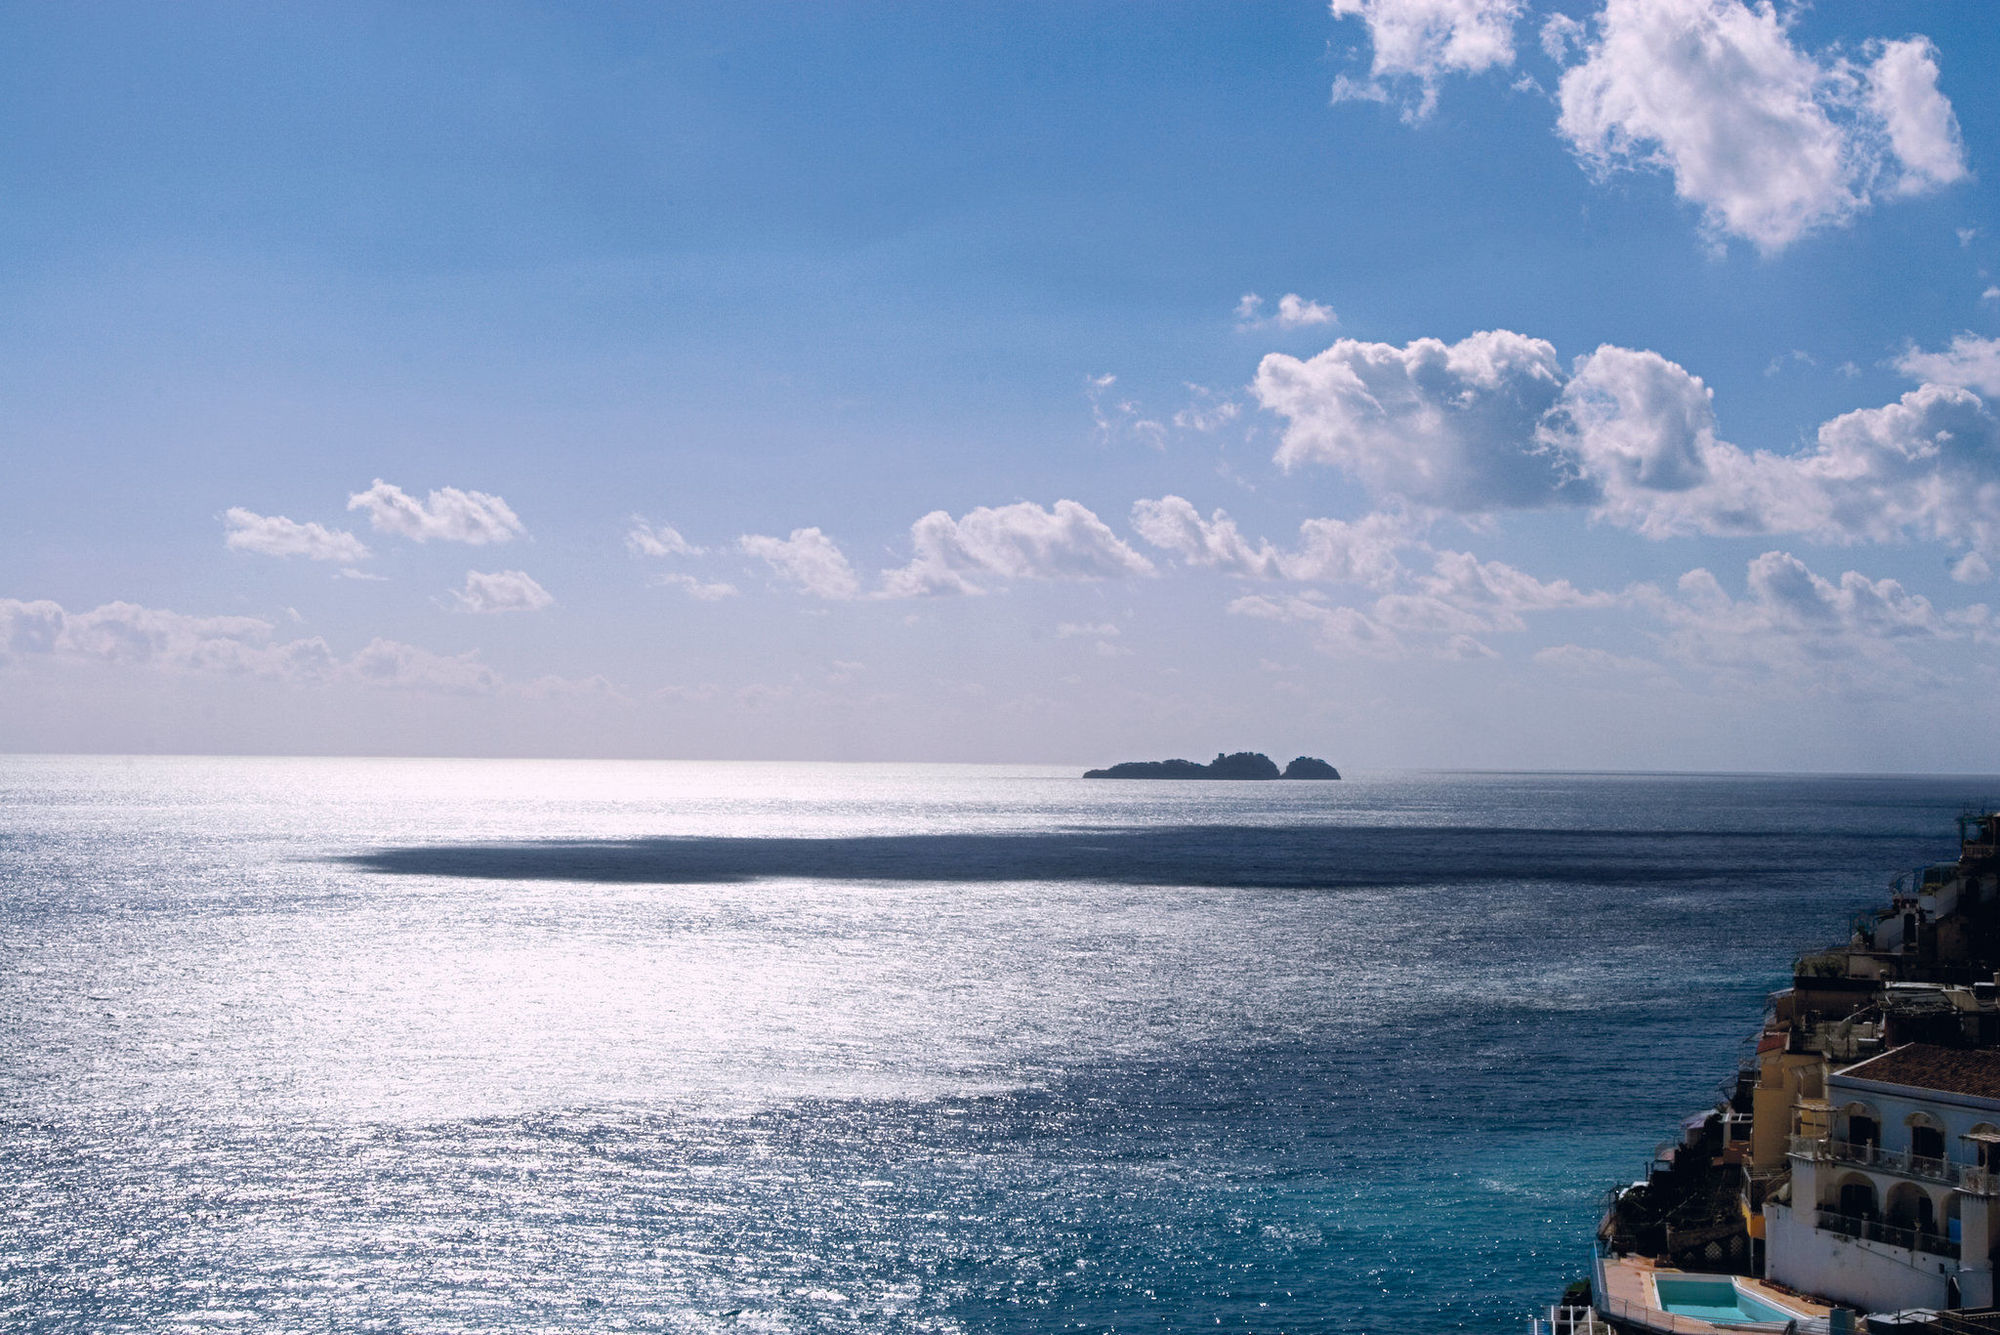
[1597, 384]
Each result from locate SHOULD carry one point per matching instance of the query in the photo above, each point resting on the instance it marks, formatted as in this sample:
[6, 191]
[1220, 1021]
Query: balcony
[1900, 1162]
[1874, 1230]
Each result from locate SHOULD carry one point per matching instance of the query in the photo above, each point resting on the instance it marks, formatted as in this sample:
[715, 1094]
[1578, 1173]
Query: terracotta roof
[1974, 1071]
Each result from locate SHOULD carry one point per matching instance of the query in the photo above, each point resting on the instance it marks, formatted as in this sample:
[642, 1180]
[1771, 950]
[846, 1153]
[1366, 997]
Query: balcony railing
[1874, 1230]
[1901, 1162]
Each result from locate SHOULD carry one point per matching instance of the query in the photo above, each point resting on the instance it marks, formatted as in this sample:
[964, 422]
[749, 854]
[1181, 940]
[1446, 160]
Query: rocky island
[1238, 765]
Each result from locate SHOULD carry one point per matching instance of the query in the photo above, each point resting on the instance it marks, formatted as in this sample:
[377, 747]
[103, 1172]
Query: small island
[1239, 765]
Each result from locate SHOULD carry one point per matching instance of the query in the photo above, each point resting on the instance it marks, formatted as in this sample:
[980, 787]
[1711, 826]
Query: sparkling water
[388, 1045]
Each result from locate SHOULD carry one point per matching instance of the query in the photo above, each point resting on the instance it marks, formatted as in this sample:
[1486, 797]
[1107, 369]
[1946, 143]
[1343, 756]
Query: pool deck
[1627, 1298]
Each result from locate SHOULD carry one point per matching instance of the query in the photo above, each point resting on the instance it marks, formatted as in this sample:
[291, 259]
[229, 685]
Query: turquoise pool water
[1714, 1300]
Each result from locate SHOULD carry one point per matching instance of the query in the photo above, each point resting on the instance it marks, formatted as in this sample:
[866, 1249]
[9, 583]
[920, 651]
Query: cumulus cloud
[1442, 612]
[1422, 421]
[1770, 142]
[1849, 634]
[1971, 362]
[447, 514]
[500, 591]
[644, 539]
[1928, 465]
[1426, 39]
[1495, 423]
[275, 535]
[808, 559]
[1172, 524]
[1020, 541]
[1361, 551]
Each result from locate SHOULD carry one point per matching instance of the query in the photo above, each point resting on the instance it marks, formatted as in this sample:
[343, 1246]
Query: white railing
[1894, 1235]
[1903, 1163]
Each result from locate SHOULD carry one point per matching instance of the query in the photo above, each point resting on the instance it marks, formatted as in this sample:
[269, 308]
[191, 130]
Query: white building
[1899, 1206]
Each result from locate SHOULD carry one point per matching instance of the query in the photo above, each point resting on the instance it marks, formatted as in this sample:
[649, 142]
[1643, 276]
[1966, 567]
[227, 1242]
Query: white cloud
[1923, 133]
[275, 535]
[1770, 142]
[1560, 32]
[140, 638]
[1070, 630]
[1798, 627]
[30, 627]
[1294, 312]
[1990, 294]
[1173, 524]
[643, 539]
[1423, 421]
[501, 591]
[1351, 551]
[1498, 593]
[1971, 362]
[1493, 423]
[1928, 465]
[1442, 612]
[809, 559]
[1334, 551]
[1972, 568]
[1425, 39]
[695, 588]
[1019, 541]
[447, 514]
[132, 635]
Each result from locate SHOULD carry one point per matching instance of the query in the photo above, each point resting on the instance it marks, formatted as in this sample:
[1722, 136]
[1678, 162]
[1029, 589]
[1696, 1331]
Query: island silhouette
[1235, 765]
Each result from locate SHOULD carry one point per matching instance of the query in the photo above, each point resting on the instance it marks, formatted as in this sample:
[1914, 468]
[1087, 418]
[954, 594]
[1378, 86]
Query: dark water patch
[1307, 856]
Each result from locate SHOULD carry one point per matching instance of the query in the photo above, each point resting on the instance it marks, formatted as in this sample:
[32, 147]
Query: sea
[494, 1045]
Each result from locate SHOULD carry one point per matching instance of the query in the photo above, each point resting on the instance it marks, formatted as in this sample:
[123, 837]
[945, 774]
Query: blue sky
[862, 382]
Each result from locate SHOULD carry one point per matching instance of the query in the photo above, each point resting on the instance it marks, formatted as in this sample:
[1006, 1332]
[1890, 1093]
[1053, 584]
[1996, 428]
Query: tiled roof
[1974, 1071]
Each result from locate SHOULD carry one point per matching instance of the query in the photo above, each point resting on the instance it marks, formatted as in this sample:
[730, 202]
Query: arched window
[1910, 1206]
[1857, 1197]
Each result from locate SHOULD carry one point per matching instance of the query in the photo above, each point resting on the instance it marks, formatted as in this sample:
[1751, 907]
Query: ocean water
[430, 1046]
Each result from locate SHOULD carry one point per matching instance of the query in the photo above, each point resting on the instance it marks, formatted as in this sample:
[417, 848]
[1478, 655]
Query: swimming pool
[1714, 1298]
